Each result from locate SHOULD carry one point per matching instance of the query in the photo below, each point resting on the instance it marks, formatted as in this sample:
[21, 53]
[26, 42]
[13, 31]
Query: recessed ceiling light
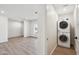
[2, 12]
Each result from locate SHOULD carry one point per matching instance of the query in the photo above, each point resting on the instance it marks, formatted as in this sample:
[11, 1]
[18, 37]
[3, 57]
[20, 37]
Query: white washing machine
[63, 25]
[64, 39]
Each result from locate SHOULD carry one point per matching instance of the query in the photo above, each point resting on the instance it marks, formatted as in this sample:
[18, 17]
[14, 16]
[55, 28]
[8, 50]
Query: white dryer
[63, 25]
[64, 39]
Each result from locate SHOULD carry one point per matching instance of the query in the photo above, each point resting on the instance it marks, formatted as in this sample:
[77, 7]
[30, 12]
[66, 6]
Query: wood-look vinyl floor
[27, 46]
[19, 46]
[64, 51]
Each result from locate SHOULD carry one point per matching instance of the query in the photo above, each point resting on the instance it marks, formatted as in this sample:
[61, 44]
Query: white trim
[53, 50]
[3, 41]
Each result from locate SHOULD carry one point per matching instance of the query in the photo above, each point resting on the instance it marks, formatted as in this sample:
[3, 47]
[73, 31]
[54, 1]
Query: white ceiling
[27, 11]
[64, 8]
[20, 11]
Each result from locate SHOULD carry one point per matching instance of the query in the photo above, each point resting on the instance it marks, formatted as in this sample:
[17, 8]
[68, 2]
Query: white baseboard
[3, 41]
[15, 37]
[53, 50]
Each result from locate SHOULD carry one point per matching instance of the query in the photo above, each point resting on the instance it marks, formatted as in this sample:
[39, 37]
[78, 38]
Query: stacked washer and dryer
[64, 32]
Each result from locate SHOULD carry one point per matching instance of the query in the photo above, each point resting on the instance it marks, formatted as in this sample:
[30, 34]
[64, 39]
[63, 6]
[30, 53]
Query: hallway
[64, 51]
[19, 46]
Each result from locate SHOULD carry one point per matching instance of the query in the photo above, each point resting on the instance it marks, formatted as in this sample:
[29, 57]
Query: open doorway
[15, 28]
[31, 28]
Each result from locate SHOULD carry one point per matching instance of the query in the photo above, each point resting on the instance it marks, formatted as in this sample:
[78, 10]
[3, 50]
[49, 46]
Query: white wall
[15, 28]
[26, 28]
[3, 29]
[52, 17]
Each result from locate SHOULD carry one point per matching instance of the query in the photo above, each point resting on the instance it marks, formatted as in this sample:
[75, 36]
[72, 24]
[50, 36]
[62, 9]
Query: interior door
[76, 20]
[51, 24]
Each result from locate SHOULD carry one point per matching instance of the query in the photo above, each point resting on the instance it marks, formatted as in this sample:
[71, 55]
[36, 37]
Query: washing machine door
[63, 38]
[63, 24]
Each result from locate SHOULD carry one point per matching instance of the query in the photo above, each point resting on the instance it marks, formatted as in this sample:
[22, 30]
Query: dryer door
[63, 24]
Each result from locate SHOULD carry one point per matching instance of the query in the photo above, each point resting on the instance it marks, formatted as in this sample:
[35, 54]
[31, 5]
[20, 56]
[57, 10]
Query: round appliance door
[63, 24]
[63, 38]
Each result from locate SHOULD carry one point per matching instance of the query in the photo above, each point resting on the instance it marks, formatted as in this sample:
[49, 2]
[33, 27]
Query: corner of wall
[53, 50]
